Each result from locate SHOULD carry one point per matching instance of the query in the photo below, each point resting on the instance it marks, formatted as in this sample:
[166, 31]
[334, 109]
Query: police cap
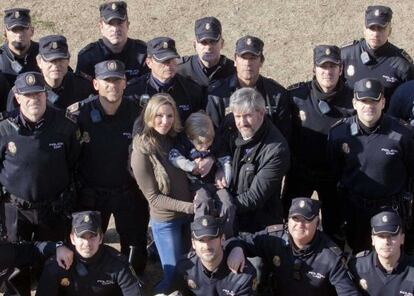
[53, 47]
[29, 82]
[306, 207]
[326, 53]
[17, 17]
[86, 221]
[249, 44]
[207, 28]
[113, 10]
[377, 15]
[368, 88]
[162, 49]
[110, 69]
[206, 226]
[386, 222]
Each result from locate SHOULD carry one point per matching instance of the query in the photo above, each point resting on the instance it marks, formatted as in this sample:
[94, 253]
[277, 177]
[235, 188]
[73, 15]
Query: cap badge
[249, 41]
[384, 219]
[377, 12]
[276, 261]
[301, 205]
[16, 14]
[54, 45]
[345, 148]
[11, 146]
[113, 6]
[86, 219]
[327, 51]
[30, 80]
[191, 284]
[363, 283]
[368, 84]
[165, 44]
[208, 26]
[204, 222]
[350, 71]
[112, 66]
[65, 282]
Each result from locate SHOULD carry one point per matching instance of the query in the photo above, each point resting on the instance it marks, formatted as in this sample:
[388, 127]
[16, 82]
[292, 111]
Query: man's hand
[204, 165]
[236, 260]
[220, 179]
[64, 257]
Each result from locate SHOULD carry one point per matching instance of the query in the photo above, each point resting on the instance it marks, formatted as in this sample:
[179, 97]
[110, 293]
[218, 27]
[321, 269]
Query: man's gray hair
[247, 99]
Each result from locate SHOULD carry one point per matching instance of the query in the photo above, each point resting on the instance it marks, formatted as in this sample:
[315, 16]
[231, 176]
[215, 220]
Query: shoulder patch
[349, 43]
[362, 254]
[296, 85]
[406, 56]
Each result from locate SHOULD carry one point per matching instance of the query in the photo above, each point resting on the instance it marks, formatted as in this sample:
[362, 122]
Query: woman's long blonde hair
[147, 140]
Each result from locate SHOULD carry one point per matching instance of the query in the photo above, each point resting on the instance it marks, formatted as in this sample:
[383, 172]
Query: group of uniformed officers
[65, 142]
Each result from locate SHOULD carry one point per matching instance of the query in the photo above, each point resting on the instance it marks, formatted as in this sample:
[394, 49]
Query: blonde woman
[165, 186]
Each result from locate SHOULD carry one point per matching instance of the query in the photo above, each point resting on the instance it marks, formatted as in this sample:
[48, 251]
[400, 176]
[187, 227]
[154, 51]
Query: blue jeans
[172, 239]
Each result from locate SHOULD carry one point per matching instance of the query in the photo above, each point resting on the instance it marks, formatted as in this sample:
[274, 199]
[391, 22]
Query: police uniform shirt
[187, 95]
[107, 273]
[37, 159]
[375, 165]
[191, 67]
[192, 278]
[389, 64]
[105, 141]
[372, 279]
[133, 56]
[4, 91]
[275, 95]
[313, 114]
[316, 270]
[402, 102]
[74, 88]
[11, 66]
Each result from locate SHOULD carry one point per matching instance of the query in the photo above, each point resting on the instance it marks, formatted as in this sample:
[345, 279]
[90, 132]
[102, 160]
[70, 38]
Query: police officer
[208, 64]
[402, 102]
[63, 87]
[373, 157]
[18, 53]
[162, 60]
[114, 44]
[316, 106]
[374, 56]
[97, 269]
[386, 270]
[106, 121]
[249, 59]
[204, 271]
[308, 263]
[39, 148]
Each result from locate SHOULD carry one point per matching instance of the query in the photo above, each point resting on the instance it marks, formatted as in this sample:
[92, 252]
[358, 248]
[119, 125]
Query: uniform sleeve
[178, 282]
[401, 102]
[246, 289]
[74, 148]
[215, 109]
[335, 157]
[83, 67]
[284, 116]
[340, 278]
[129, 283]
[266, 181]
[144, 175]
[48, 283]
[11, 103]
[4, 91]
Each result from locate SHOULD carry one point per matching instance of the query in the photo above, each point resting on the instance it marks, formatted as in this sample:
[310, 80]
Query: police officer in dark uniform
[97, 269]
[106, 121]
[208, 65]
[249, 59]
[204, 271]
[114, 45]
[372, 155]
[18, 53]
[39, 148]
[402, 102]
[374, 56]
[63, 87]
[386, 270]
[308, 263]
[316, 106]
[162, 60]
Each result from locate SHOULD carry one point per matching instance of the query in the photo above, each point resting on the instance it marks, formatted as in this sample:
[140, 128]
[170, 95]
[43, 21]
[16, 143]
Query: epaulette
[362, 254]
[71, 116]
[406, 56]
[275, 228]
[340, 121]
[296, 85]
[85, 76]
[349, 43]
[336, 250]
[405, 123]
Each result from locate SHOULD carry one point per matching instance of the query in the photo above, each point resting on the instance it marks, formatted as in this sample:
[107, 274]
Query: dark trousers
[131, 214]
